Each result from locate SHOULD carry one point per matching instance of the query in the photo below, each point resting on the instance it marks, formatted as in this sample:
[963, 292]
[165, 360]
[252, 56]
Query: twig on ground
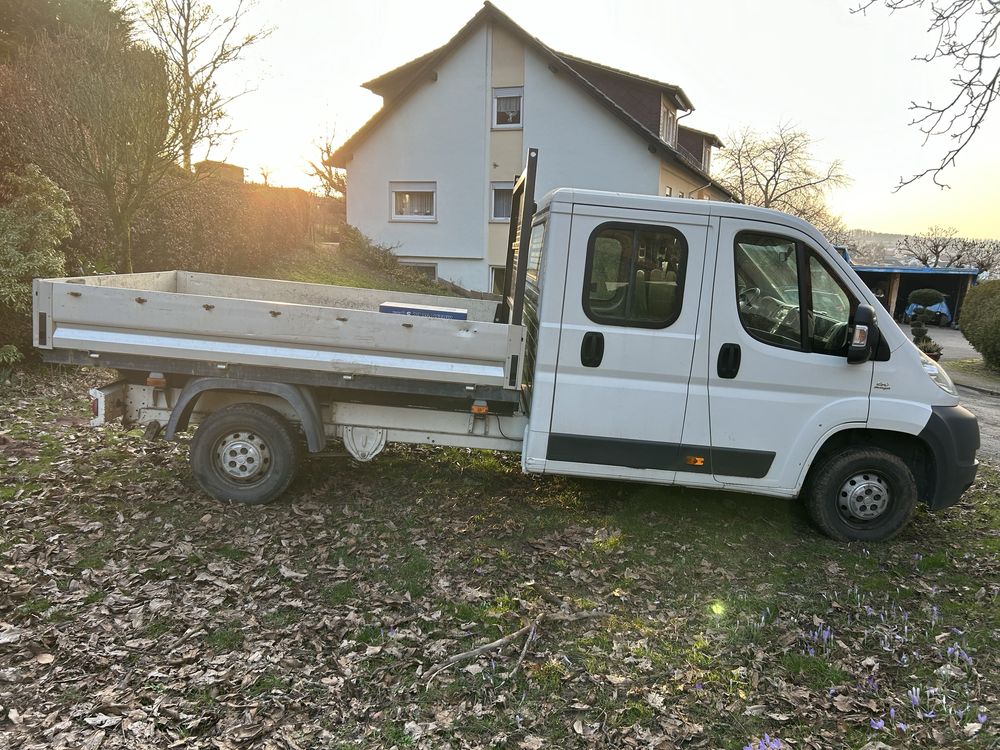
[499, 643]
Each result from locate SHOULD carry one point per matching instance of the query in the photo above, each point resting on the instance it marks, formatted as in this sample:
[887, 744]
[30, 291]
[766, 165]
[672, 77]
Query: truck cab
[725, 346]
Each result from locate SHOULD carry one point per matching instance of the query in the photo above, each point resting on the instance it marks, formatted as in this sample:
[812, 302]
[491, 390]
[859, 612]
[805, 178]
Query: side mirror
[864, 333]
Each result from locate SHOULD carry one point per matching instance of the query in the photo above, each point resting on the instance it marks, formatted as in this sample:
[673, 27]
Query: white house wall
[581, 143]
[438, 134]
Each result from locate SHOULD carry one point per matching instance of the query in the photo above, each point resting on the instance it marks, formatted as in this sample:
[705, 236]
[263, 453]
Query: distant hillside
[868, 246]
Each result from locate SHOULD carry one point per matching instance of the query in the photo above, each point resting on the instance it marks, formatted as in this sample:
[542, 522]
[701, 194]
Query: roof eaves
[379, 83]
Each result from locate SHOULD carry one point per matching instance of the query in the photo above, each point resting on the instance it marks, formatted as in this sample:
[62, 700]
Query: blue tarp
[940, 307]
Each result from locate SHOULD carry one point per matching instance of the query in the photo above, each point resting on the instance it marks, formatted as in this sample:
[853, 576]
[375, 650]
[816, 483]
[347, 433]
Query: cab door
[629, 322]
[778, 377]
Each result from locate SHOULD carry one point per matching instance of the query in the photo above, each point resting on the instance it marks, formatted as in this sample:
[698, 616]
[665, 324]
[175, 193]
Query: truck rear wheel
[861, 494]
[245, 453]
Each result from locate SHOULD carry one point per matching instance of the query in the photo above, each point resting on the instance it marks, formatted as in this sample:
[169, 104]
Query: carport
[893, 284]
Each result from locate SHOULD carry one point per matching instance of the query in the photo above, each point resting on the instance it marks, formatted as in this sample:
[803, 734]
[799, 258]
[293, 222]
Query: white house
[431, 172]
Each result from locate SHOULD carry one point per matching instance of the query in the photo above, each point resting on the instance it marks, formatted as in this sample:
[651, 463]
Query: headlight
[937, 373]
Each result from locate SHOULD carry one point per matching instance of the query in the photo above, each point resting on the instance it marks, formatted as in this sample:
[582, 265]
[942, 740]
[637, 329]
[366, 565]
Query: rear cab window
[635, 275]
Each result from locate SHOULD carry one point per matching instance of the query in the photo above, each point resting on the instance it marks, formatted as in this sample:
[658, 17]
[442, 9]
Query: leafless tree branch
[197, 43]
[966, 34]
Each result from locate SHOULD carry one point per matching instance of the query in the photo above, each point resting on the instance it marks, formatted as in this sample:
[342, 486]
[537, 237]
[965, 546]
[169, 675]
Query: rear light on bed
[94, 407]
[157, 380]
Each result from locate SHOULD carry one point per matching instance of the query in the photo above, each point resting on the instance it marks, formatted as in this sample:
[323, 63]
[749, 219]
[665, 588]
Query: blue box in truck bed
[424, 311]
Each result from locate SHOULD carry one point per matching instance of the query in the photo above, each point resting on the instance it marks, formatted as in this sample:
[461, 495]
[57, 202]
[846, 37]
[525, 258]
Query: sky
[846, 79]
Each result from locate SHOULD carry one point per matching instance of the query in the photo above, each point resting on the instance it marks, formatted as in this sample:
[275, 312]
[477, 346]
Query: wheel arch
[915, 452]
[301, 400]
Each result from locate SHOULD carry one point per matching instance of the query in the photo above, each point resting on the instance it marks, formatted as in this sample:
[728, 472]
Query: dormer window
[668, 123]
[706, 157]
[507, 108]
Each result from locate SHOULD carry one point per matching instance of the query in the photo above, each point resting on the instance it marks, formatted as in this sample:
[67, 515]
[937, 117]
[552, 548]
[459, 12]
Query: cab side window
[634, 275]
[772, 275]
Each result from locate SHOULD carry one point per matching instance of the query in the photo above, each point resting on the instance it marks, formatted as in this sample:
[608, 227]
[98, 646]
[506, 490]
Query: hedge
[981, 321]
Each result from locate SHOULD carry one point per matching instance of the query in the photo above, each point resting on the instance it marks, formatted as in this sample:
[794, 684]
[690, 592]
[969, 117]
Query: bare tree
[197, 43]
[95, 115]
[777, 170]
[967, 34]
[983, 254]
[936, 247]
[332, 181]
[265, 175]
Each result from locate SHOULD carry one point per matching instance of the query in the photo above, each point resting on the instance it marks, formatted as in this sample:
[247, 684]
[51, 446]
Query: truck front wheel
[245, 453]
[861, 494]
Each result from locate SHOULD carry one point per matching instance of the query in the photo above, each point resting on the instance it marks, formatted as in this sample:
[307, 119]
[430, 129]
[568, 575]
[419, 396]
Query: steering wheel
[748, 296]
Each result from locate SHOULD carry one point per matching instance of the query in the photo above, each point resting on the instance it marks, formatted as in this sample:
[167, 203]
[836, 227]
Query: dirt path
[987, 409]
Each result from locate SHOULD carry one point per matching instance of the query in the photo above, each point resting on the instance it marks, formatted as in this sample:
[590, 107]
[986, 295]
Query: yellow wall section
[506, 146]
[508, 59]
[498, 245]
[683, 184]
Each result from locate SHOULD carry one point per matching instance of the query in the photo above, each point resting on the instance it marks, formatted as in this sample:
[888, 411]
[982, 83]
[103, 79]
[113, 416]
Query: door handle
[729, 361]
[592, 349]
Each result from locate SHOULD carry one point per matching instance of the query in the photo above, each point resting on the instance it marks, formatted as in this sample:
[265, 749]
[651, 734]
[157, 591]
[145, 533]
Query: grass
[976, 368]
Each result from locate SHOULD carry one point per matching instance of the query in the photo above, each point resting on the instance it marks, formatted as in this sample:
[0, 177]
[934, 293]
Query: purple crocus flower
[981, 718]
[901, 727]
[892, 714]
[878, 724]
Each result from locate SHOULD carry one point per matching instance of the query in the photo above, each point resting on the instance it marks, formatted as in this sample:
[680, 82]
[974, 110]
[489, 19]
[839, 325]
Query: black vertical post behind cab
[511, 307]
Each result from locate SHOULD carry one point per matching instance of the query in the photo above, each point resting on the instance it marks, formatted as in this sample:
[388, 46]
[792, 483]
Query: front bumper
[952, 434]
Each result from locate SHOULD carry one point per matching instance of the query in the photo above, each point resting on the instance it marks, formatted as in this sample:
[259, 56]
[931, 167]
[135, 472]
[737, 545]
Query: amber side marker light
[480, 407]
[694, 460]
[157, 380]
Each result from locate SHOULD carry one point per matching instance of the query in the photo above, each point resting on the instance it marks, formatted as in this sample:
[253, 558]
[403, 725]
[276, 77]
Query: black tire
[259, 440]
[861, 494]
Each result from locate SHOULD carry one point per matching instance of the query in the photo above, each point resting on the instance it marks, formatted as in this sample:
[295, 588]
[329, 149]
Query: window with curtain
[503, 200]
[414, 201]
[507, 107]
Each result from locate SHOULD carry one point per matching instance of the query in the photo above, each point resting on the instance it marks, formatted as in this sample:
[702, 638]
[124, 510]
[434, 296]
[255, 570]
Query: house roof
[404, 80]
[942, 270]
[676, 91]
[710, 137]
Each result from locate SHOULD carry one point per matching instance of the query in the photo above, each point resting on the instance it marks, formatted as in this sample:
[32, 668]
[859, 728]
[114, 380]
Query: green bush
[981, 321]
[925, 297]
[35, 216]
[221, 227]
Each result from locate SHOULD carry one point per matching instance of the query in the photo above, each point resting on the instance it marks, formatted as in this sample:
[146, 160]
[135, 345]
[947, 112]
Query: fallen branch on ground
[528, 630]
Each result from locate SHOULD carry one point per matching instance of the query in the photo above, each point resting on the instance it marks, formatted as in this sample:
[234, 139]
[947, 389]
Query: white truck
[638, 338]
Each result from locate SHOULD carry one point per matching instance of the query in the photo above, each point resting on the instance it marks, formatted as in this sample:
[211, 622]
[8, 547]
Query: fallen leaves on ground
[135, 612]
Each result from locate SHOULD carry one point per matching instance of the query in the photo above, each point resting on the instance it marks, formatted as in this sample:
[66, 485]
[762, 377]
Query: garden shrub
[215, 226]
[981, 321]
[35, 217]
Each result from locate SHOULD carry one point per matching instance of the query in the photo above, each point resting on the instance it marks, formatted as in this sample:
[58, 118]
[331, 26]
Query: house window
[706, 157]
[502, 199]
[507, 107]
[498, 275]
[680, 194]
[668, 191]
[413, 201]
[668, 124]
